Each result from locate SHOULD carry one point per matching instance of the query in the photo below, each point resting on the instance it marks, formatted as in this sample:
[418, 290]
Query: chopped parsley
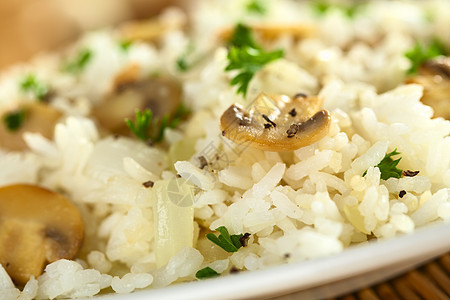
[14, 120]
[242, 37]
[388, 166]
[30, 84]
[141, 126]
[256, 7]
[79, 62]
[151, 130]
[246, 56]
[229, 243]
[206, 273]
[350, 10]
[182, 62]
[420, 53]
[125, 45]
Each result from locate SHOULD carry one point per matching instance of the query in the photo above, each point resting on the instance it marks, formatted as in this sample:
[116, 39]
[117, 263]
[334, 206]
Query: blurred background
[28, 27]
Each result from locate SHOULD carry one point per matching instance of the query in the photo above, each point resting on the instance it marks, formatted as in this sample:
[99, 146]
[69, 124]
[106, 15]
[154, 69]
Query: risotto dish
[222, 137]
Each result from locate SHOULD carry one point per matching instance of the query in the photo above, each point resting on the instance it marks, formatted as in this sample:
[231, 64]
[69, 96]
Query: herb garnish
[183, 61]
[79, 62]
[229, 243]
[125, 45]
[257, 7]
[388, 166]
[246, 56]
[141, 126]
[14, 120]
[206, 273]
[350, 10]
[150, 129]
[421, 53]
[31, 84]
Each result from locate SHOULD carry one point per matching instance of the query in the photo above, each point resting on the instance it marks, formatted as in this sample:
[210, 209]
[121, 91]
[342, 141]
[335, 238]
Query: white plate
[330, 276]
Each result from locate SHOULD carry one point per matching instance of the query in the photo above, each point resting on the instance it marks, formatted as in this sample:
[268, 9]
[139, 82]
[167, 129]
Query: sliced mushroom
[277, 122]
[434, 75]
[151, 30]
[36, 226]
[162, 95]
[38, 117]
[269, 32]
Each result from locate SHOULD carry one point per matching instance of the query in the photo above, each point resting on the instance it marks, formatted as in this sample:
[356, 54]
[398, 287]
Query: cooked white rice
[296, 205]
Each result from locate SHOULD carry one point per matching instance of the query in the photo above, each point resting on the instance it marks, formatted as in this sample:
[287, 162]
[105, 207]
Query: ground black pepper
[293, 112]
[148, 184]
[410, 173]
[269, 120]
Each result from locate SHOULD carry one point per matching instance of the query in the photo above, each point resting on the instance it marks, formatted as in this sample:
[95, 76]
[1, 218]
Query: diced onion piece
[173, 218]
[354, 216]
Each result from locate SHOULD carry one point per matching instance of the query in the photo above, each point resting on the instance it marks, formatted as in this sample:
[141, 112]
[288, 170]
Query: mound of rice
[296, 205]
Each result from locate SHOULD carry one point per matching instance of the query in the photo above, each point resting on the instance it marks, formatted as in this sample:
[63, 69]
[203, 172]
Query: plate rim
[423, 244]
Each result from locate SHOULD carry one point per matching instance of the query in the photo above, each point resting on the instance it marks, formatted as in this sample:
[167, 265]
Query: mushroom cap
[272, 31]
[39, 117]
[434, 76]
[162, 95]
[276, 122]
[36, 226]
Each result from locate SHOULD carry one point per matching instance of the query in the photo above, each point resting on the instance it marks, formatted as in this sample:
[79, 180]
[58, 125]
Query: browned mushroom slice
[273, 31]
[149, 30]
[434, 75]
[268, 32]
[276, 122]
[162, 95]
[37, 117]
[36, 226]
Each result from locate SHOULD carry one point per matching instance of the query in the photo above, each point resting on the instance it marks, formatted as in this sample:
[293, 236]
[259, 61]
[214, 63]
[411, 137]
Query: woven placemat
[430, 281]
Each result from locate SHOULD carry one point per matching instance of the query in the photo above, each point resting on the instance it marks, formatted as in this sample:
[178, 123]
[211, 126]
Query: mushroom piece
[153, 29]
[37, 117]
[269, 32]
[434, 76]
[36, 226]
[277, 122]
[162, 95]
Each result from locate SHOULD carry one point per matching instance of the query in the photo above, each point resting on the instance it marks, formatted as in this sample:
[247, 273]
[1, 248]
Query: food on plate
[434, 76]
[130, 93]
[244, 135]
[37, 226]
[29, 117]
[277, 122]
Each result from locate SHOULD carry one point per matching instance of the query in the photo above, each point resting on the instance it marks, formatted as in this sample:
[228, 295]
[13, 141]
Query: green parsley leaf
[388, 166]
[247, 57]
[350, 9]
[140, 127]
[125, 45]
[229, 243]
[242, 37]
[421, 53]
[31, 84]
[321, 7]
[182, 62]
[257, 7]
[150, 129]
[79, 62]
[206, 273]
[14, 120]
